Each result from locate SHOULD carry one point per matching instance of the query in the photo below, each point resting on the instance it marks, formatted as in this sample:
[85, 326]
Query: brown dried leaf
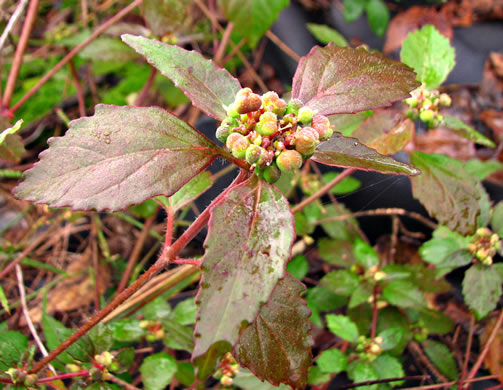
[494, 358]
[444, 142]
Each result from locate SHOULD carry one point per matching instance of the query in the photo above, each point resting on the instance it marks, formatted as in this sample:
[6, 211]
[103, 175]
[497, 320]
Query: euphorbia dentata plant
[121, 156]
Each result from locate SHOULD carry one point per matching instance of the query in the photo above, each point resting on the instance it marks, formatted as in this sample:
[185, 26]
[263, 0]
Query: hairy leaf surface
[277, 346]
[349, 152]
[209, 87]
[116, 158]
[342, 80]
[447, 191]
[247, 248]
[482, 289]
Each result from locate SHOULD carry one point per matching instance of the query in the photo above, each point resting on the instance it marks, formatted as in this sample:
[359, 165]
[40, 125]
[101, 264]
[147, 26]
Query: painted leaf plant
[122, 156]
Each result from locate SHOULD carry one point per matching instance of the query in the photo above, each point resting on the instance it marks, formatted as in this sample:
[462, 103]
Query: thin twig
[26, 313]
[20, 49]
[282, 45]
[467, 352]
[120, 382]
[452, 383]
[144, 92]
[78, 87]
[223, 43]
[416, 349]
[12, 21]
[74, 51]
[194, 262]
[387, 380]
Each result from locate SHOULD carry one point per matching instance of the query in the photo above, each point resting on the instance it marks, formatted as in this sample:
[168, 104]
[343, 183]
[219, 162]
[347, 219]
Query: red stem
[63, 376]
[374, 314]
[78, 87]
[194, 262]
[21, 47]
[144, 92]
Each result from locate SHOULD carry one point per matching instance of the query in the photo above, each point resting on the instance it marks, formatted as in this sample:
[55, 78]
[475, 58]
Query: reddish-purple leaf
[385, 132]
[116, 158]
[209, 87]
[340, 80]
[341, 151]
[248, 245]
[277, 346]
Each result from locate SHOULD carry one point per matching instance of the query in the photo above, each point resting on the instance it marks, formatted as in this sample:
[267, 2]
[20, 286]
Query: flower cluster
[368, 349]
[227, 370]
[425, 105]
[484, 245]
[272, 136]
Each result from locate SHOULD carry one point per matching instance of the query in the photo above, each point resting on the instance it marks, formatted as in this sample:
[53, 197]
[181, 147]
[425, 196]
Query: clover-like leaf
[116, 158]
[342, 80]
[447, 191]
[209, 87]
[341, 151]
[277, 345]
[248, 245]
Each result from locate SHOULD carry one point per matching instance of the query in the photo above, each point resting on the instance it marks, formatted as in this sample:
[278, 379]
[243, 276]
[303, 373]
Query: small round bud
[104, 358]
[412, 101]
[483, 232]
[265, 158]
[426, 115]
[379, 340]
[268, 124]
[445, 100]
[96, 373]
[247, 101]
[294, 106]
[427, 104]
[289, 161]
[237, 144]
[144, 324]
[379, 275]
[31, 380]
[272, 102]
[16, 375]
[226, 380]
[223, 131]
[272, 173]
[322, 126]
[253, 153]
[375, 349]
[151, 337]
[305, 115]
[306, 140]
[114, 366]
[72, 367]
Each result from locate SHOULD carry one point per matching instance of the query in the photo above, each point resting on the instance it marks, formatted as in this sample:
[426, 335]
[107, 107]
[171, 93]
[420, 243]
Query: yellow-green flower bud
[247, 101]
[445, 100]
[289, 160]
[412, 101]
[268, 124]
[322, 126]
[306, 140]
[305, 115]
[294, 106]
[427, 115]
[253, 153]
[237, 144]
[272, 173]
[272, 102]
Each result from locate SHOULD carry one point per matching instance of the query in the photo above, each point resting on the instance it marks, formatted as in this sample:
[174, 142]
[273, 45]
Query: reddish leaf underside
[248, 245]
[118, 157]
[277, 346]
[209, 87]
[341, 151]
[447, 191]
[341, 80]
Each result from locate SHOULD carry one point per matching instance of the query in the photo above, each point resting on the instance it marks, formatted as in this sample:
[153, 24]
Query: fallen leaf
[494, 358]
[444, 142]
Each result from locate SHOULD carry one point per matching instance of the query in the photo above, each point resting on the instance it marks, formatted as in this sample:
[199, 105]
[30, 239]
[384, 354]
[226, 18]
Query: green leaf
[453, 260]
[166, 16]
[385, 132]
[346, 124]
[4, 301]
[12, 347]
[377, 16]
[403, 293]
[365, 254]
[482, 169]
[345, 186]
[126, 329]
[157, 309]
[448, 191]
[11, 144]
[482, 289]
[185, 312]
[247, 381]
[337, 252]
[178, 336]
[145, 209]
[341, 282]
[298, 267]
[343, 327]
[391, 338]
[190, 191]
[435, 321]
[317, 377]
[497, 219]
[443, 243]
[185, 373]
[442, 358]
[462, 129]
[323, 299]
[332, 361]
[256, 220]
[118, 157]
[430, 54]
[360, 371]
[101, 337]
[277, 345]
[302, 225]
[346, 152]
[106, 48]
[427, 279]
[157, 370]
[342, 80]
[341, 230]
[326, 34]
[252, 18]
[353, 9]
[392, 318]
[389, 367]
[208, 87]
[361, 295]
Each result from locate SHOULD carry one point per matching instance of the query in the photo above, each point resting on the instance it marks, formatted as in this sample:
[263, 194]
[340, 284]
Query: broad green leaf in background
[462, 129]
[4, 301]
[337, 252]
[106, 48]
[208, 87]
[443, 243]
[482, 169]
[317, 377]
[430, 54]
[11, 144]
[157, 370]
[326, 34]
[101, 337]
[482, 289]
[347, 185]
[13, 345]
[385, 132]
[178, 337]
[248, 245]
[118, 157]
[157, 309]
[343, 327]
[361, 371]
[126, 329]
[298, 267]
[341, 282]
[247, 381]
[332, 361]
[277, 345]
[403, 293]
[346, 152]
[353, 9]
[387, 367]
[342, 80]
[497, 219]
[252, 18]
[185, 312]
[165, 16]
[345, 229]
[360, 295]
[365, 254]
[435, 321]
[391, 338]
[393, 318]
[448, 192]
[346, 124]
[442, 358]
[377, 16]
